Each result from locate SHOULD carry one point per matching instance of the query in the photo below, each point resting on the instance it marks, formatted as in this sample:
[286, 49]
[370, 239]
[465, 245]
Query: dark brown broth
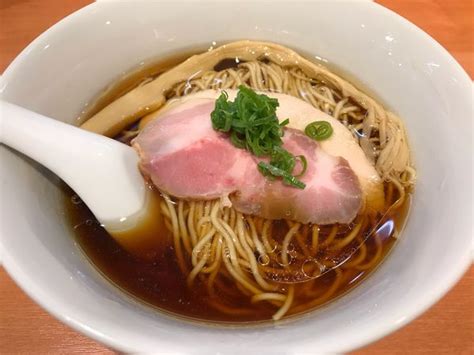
[159, 281]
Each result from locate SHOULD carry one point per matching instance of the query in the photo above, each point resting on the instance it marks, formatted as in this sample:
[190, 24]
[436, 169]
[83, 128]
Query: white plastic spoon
[102, 171]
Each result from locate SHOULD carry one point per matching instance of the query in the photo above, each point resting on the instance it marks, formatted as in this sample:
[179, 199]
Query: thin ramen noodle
[245, 267]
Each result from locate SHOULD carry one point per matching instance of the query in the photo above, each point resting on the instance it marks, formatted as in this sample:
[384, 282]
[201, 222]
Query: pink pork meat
[185, 157]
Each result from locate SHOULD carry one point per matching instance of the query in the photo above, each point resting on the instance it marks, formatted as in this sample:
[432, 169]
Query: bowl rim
[60, 309]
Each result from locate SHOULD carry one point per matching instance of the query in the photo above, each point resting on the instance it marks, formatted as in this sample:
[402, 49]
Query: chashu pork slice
[185, 157]
[341, 143]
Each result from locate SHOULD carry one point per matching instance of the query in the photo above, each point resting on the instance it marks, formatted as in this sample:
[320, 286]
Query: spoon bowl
[102, 171]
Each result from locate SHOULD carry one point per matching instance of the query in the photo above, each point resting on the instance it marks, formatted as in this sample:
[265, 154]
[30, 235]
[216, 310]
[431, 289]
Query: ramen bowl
[71, 63]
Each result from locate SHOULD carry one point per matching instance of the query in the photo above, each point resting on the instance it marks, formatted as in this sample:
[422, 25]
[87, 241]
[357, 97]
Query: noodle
[207, 253]
[215, 243]
[286, 72]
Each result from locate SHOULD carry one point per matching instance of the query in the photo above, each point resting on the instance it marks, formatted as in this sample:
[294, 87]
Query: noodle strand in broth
[277, 262]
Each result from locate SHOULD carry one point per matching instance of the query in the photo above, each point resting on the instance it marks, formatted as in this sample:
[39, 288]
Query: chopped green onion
[304, 163]
[319, 130]
[251, 119]
[270, 170]
[252, 124]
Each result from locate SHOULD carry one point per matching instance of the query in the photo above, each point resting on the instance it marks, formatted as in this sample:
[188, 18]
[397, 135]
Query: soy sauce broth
[160, 283]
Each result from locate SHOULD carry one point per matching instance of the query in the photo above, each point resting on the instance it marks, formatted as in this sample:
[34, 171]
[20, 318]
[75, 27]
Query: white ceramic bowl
[72, 62]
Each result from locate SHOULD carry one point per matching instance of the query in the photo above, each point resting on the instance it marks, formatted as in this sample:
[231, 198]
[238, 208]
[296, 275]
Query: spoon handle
[101, 170]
